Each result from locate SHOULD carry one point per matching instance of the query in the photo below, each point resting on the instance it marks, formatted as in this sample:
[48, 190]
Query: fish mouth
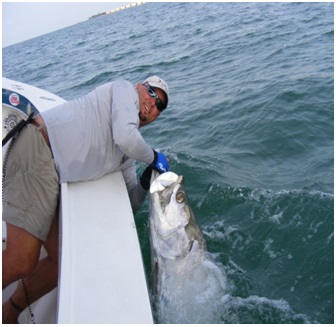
[160, 182]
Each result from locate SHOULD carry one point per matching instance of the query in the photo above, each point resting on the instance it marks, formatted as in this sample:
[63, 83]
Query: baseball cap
[156, 81]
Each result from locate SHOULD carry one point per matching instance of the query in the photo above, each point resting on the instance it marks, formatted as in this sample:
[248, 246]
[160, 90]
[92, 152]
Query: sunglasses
[152, 93]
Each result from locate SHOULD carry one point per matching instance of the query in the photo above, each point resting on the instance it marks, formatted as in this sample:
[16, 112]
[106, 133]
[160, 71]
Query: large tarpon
[185, 280]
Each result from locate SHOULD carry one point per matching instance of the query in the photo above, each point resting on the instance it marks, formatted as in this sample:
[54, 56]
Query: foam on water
[255, 309]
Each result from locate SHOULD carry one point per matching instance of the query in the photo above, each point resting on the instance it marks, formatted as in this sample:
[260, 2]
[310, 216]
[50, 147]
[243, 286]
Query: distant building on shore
[117, 9]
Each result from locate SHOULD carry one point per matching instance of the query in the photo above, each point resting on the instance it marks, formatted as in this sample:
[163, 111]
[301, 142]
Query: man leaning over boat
[79, 140]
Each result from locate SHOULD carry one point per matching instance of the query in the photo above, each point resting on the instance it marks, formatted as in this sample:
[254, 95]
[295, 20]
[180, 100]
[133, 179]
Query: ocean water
[249, 125]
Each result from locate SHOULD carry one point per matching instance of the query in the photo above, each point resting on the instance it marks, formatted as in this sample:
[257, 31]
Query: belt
[42, 129]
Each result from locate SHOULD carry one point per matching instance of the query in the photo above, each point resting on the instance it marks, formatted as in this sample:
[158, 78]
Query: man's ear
[137, 86]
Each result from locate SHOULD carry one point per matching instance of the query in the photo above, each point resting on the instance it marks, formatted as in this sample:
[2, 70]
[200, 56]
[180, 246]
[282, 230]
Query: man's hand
[160, 162]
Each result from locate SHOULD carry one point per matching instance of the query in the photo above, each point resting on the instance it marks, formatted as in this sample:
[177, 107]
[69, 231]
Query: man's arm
[136, 191]
[125, 123]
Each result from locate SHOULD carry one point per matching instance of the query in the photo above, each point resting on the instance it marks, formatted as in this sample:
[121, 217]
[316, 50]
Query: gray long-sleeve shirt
[97, 134]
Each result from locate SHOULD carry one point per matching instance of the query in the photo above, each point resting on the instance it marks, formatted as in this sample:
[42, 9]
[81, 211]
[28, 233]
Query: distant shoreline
[117, 9]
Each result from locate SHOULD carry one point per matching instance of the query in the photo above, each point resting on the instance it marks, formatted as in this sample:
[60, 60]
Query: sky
[25, 20]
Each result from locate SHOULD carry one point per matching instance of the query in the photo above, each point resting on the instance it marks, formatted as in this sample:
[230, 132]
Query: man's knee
[21, 255]
[16, 267]
[26, 267]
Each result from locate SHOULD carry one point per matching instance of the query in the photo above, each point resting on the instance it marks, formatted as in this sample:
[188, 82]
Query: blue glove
[160, 162]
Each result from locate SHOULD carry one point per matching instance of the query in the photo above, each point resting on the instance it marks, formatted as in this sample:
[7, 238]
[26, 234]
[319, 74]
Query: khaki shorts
[31, 185]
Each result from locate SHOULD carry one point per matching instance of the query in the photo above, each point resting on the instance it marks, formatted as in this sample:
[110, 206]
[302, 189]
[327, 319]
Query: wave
[290, 208]
[96, 80]
[274, 244]
[260, 310]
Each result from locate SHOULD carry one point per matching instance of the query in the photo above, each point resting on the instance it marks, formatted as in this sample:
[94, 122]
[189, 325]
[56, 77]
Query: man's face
[148, 111]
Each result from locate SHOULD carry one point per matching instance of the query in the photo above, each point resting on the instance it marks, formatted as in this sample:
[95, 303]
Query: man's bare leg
[39, 281]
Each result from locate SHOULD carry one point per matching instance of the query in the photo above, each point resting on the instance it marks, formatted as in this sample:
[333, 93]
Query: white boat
[101, 272]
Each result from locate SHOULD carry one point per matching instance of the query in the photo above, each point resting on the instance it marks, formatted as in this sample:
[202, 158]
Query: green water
[249, 125]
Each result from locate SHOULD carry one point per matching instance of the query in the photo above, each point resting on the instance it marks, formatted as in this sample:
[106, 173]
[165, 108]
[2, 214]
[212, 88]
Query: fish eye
[180, 197]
